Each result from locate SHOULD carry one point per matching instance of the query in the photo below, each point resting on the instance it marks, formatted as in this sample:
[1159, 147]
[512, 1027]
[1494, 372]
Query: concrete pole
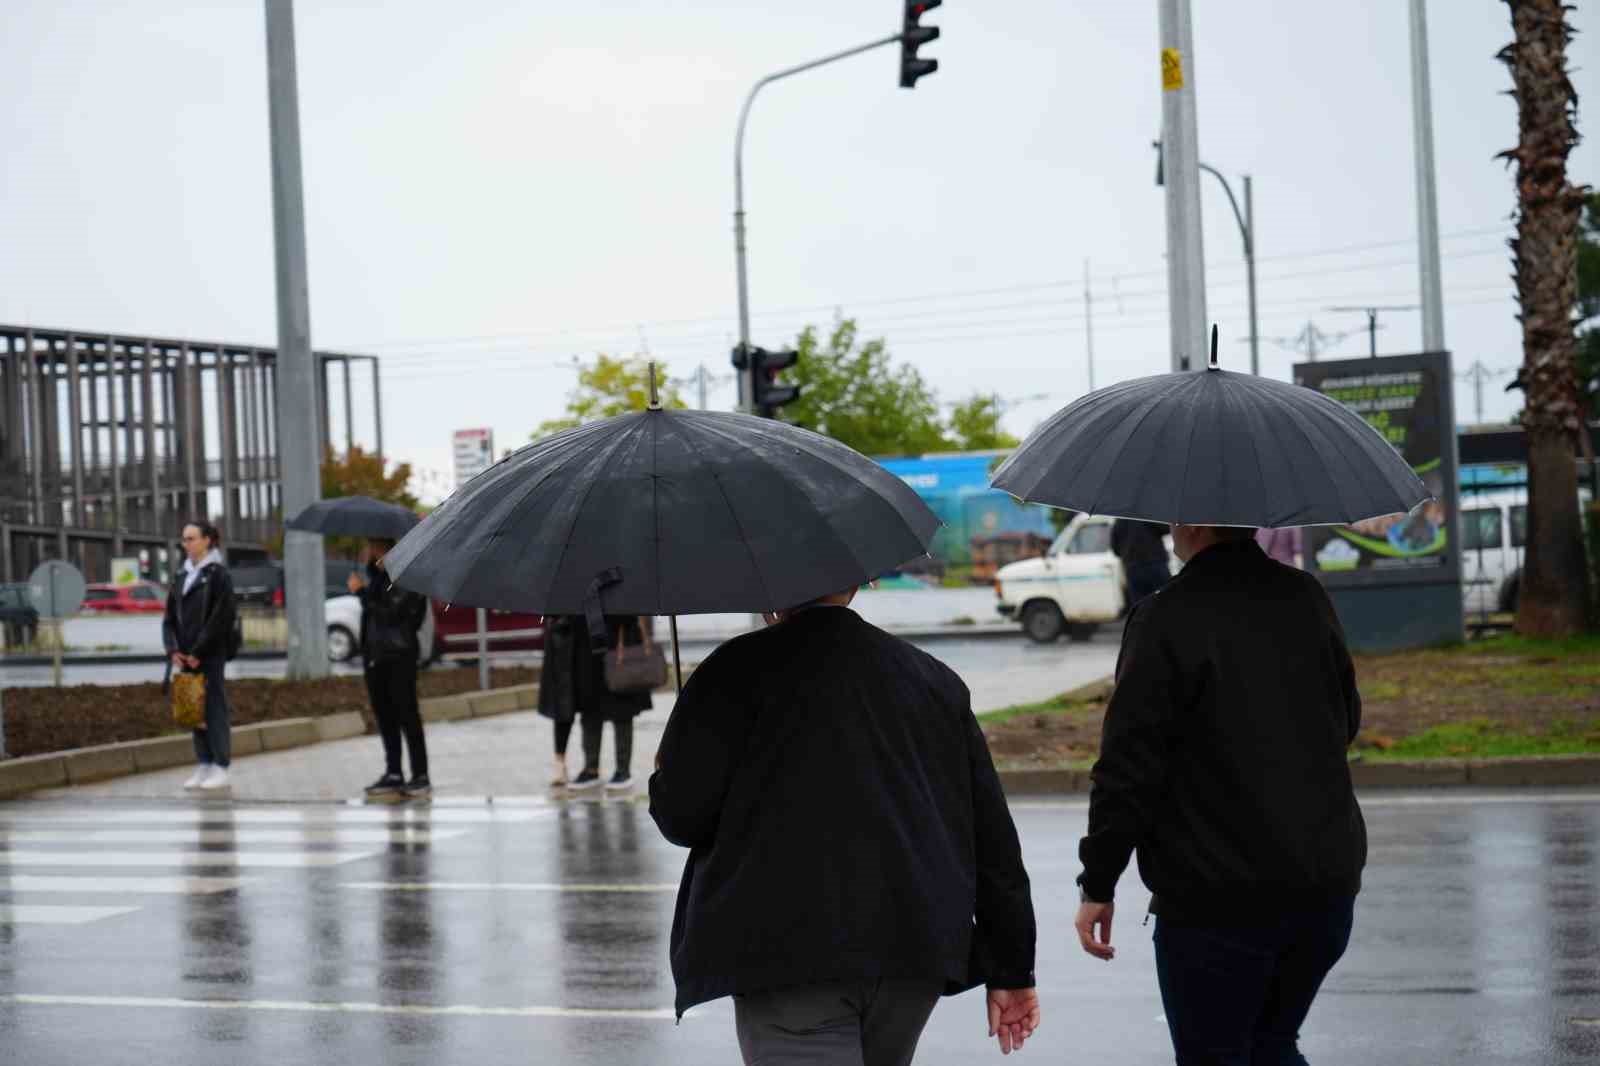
[1088, 322]
[1186, 272]
[1429, 283]
[298, 395]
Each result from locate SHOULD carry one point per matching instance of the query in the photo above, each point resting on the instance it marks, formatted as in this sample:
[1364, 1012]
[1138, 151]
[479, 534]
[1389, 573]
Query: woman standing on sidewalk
[572, 684]
[200, 613]
[390, 619]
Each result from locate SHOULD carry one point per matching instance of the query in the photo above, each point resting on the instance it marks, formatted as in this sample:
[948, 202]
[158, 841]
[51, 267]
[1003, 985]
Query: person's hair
[1227, 533]
[384, 542]
[207, 530]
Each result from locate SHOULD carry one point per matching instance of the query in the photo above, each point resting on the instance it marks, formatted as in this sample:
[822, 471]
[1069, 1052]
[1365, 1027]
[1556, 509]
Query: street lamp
[1247, 231]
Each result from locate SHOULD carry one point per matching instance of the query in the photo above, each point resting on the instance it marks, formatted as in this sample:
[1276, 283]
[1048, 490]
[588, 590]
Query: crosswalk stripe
[506, 886]
[56, 914]
[267, 816]
[649, 1013]
[284, 859]
[400, 834]
[176, 886]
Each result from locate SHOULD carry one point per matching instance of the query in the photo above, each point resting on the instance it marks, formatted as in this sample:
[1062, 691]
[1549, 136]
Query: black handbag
[641, 668]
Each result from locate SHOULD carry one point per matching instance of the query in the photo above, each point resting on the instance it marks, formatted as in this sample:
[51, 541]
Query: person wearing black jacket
[1143, 554]
[1223, 763]
[390, 619]
[851, 854]
[199, 619]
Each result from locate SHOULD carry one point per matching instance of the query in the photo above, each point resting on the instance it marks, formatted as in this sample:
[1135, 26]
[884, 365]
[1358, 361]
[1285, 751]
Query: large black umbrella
[1211, 447]
[666, 512]
[355, 516]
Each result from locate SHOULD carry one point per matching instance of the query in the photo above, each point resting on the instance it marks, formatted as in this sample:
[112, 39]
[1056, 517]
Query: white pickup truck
[1075, 588]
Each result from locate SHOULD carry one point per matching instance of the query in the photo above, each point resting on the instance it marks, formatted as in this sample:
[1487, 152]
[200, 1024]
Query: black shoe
[419, 786]
[621, 781]
[587, 779]
[387, 785]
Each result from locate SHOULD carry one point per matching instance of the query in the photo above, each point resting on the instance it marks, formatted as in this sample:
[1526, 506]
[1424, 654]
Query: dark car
[17, 614]
[260, 583]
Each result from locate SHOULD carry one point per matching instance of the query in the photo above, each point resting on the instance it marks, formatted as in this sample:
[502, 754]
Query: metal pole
[349, 413]
[483, 648]
[298, 394]
[701, 376]
[377, 409]
[1429, 281]
[1372, 332]
[1088, 322]
[1250, 274]
[745, 379]
[1186, 271]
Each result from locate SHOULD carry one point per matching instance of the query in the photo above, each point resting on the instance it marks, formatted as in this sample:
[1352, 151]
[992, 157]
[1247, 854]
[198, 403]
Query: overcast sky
[494, 188]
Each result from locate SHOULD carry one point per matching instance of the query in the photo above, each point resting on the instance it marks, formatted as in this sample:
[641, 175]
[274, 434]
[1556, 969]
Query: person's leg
[622, 736]
[388, 727]
[1213, 987]
[895, 1018]
[563, 735]
[218, 736]
[593, 728]
[1312, 945]
[403, 693]
[809, 1025]
[202, 748]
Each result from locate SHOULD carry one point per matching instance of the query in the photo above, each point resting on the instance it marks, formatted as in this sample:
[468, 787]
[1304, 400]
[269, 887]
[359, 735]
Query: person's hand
[1094, 917]
[354, 582]
[1013, 1016]
[177, 659]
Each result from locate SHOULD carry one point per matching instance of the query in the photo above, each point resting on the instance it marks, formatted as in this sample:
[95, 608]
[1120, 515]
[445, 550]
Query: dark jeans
[1237, 995]
[845, 1023]
[1146, 579]
[213, 745]
[392, 688]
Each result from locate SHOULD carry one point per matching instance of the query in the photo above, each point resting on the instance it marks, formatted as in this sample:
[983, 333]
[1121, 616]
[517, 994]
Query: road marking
[283, 859]
[506, 886]
[399, 834]
[1370, 800]
[182, 886]
[466, 1010]
[54, 914]
[224, 816]
[1588, 1022]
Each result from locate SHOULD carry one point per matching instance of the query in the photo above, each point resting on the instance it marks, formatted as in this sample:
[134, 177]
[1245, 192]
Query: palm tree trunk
[1554, 597]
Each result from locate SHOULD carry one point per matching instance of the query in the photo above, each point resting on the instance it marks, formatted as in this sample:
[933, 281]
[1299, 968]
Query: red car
[455, 631]
[142, 597]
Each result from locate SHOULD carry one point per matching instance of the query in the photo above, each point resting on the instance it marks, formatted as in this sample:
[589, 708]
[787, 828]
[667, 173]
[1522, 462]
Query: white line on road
[55, 914]
[1370, 800]
[506, 886]
[222, 816]
[182, 886]
[180, 858]
[400, 834]
[24, 999]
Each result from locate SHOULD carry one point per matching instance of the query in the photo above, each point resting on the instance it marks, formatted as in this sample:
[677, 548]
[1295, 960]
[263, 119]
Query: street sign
[56, 589]
[474, 453]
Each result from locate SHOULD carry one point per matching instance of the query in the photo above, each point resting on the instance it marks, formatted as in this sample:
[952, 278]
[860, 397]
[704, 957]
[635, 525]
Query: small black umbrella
[1211, 447]
[356, 516]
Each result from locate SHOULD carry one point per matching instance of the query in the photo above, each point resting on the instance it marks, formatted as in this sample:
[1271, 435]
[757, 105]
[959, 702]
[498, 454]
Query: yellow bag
[189, 701]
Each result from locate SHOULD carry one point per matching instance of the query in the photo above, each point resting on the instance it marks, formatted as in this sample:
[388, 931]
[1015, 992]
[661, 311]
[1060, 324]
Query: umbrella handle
[677, 667]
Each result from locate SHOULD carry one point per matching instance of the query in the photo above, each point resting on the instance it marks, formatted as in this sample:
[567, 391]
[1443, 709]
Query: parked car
[1076, 587]
[260, 584]
[142, 597]
[17, 614]
[456, 631]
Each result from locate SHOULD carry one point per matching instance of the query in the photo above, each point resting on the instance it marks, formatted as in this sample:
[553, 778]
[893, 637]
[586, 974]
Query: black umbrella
[356, 516]
[1212, 448]
[674, 512]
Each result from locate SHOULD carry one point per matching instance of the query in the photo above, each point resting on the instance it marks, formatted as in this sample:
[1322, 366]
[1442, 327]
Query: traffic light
[767, 393]
[914, 35]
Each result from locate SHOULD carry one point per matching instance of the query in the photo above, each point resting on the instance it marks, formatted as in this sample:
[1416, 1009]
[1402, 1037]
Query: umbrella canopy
[356, 516]
[682, 512]
[1211, 447]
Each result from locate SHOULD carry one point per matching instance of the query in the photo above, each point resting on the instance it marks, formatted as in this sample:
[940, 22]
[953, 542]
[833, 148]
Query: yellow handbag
[189, 701]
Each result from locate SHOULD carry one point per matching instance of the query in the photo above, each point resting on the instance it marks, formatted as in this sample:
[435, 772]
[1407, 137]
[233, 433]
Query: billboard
[955, 486]
[473, 450]
[1408, 399]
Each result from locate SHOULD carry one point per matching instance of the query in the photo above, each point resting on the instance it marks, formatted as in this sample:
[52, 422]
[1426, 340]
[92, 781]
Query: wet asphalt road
[185, 934]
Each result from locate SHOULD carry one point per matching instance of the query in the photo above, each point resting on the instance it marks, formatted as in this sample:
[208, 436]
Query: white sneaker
[216, 777]
[198, 776]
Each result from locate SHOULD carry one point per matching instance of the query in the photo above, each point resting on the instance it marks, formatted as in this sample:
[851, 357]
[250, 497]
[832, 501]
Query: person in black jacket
[195, 630]
[390, 619]
[1223, 764]
[851, 854]
[572, 685]
[1143, 553]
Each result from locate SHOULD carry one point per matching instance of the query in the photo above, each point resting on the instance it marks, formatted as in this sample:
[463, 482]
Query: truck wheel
[341, 644]
[1042, 622]
[1081, 632]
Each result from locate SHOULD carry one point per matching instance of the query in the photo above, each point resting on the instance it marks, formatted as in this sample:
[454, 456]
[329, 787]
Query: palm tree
[1553, 600]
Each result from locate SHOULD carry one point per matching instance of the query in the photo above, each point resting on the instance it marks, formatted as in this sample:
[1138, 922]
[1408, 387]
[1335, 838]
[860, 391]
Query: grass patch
[1512, 644]
[1481, 738]
[1063, 704]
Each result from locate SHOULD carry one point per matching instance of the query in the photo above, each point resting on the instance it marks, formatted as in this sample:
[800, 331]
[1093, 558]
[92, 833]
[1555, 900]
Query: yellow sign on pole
[1171, 69]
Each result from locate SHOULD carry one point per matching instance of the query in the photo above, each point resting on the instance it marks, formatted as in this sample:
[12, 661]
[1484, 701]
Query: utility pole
[1372, 321]
[1088, 321]
[1186, 271]
[1429, 283]
[700, 375]
[298, 409]
[1250, 274]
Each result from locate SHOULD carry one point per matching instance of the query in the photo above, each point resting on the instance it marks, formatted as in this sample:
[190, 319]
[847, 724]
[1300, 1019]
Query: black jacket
[198, 622]
[1223, 757]
[843, 817]
[1136, 542]
[390, 619]
[573, 680]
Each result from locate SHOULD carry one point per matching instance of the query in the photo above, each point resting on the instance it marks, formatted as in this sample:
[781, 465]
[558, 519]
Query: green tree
[611, 386]
[854, 394]
[975, 424]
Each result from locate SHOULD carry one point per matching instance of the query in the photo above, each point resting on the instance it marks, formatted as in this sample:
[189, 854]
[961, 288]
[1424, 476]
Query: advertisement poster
[1408, 399]
[473, 451]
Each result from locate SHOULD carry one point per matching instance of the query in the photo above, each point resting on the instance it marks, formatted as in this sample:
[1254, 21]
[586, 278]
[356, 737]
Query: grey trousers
[853, 1023]
[213, 745]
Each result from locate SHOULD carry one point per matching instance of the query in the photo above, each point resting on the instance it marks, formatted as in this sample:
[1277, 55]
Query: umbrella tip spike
[1213, 365]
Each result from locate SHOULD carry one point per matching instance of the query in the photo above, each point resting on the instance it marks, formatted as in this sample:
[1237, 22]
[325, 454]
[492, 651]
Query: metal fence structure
[108, 441]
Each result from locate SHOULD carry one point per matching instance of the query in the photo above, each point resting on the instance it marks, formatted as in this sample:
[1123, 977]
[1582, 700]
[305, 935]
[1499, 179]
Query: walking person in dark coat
[572, 685]
[390, 619]
[851, 854]
[196, 629]
[1223, 764]
[1143, 552]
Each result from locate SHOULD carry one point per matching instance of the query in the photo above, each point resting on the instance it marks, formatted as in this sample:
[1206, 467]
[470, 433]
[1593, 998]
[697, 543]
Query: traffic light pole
[746, 385]
[1186, 268]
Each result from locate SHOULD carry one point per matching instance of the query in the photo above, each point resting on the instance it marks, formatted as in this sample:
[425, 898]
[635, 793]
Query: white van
[1494, 531]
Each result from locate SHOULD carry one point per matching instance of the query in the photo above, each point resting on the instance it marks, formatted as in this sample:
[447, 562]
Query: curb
[104, 762]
